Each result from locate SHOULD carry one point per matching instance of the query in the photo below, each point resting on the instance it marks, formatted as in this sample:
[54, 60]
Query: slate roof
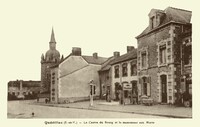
[171, 15]
[57, 64]
[92, 60]
[106, 65]
[29, 83]
[125, 57]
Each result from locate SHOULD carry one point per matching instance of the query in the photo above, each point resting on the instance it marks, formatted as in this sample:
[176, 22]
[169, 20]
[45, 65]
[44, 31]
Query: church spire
[52, 36]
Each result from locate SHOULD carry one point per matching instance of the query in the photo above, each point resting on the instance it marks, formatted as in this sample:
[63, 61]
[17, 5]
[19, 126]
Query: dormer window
[155, 18]
[152, 21]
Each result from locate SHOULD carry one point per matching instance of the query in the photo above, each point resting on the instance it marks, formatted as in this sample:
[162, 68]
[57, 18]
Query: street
[23, 109]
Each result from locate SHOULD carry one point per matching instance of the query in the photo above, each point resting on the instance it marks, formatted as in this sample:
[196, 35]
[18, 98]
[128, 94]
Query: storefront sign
[127, 86]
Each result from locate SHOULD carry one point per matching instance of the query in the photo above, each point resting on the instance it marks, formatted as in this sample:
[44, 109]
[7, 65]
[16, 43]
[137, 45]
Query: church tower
[52, 57]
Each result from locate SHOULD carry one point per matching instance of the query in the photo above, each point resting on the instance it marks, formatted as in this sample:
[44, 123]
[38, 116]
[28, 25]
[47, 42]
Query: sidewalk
[156, 110]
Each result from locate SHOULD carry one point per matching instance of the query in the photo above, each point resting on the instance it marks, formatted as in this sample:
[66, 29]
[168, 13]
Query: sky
[101, 26]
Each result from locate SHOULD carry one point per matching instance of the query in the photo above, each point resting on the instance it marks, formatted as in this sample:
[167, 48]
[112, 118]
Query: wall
[45, 69]
[71, 64]
[74, 77]
[54, 85]
[105, 80]
[121, 79]
[154, 70]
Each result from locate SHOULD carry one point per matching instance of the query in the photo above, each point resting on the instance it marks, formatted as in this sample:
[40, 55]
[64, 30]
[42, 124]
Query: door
[164, 88]
[134, 92]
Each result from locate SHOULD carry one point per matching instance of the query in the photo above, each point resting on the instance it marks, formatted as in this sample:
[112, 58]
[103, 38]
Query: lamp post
[92, 91]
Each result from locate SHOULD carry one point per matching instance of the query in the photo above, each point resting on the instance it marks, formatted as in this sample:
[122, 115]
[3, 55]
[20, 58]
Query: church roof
[52, 54]
[171, 15]
[52, 36]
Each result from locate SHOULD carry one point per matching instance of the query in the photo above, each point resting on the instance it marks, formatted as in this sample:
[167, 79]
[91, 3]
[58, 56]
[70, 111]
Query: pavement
[25, 110]
[170, 111]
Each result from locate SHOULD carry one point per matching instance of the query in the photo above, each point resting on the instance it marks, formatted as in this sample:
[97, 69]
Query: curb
[97, 109]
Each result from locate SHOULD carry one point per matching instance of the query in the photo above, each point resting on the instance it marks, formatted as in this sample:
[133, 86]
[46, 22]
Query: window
[117, 71]
[152, 22]
[144, 85]
[144, 59]
[187, 53]
[133, 69]
[124, 69]
[117, 91]
[162, 54]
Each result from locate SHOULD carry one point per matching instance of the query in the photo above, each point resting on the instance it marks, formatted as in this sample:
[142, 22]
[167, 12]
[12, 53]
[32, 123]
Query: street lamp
[92, 91]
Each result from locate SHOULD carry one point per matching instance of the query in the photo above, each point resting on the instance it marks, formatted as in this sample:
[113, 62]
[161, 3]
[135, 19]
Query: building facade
[124, 77]
[105, 78]
[52, 57]
[54, 84]
[74, 74]
[160, 55]
[23, 89]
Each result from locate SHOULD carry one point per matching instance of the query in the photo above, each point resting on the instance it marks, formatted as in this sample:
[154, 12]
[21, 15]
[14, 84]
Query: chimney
[95, 55]
[130, 48]
[76, 51]
[116, 54]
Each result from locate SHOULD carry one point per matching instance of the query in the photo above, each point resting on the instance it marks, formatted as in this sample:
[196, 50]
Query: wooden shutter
[140, 87]
[149, 86]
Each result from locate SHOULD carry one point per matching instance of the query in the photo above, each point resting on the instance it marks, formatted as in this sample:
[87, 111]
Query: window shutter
[149, 86]
[148, 89]
[140, 87]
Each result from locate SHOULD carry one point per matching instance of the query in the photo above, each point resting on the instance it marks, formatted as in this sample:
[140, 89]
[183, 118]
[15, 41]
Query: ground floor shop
[126, 92]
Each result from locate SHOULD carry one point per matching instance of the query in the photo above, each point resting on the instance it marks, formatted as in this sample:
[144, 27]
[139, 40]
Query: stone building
[105, 78]
[20, 89]
[161, 55]
[73, 76]
[54, 84]
[124, 77]
[52, 57]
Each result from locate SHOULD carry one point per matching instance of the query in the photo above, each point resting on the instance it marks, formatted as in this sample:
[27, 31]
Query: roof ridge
[157, 9]
[98, 56]
[179, 9]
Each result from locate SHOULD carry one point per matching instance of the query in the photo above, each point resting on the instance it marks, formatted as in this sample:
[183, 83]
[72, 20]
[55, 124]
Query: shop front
[130, 94]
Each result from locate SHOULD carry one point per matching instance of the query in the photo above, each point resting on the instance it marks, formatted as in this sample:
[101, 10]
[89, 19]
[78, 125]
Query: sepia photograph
[78, 62]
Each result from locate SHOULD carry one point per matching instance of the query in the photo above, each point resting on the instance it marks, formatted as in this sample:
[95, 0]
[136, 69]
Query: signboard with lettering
[127, 86]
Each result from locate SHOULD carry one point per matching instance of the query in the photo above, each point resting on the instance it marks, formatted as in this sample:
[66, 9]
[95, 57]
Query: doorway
[164, 88]
[134, 92]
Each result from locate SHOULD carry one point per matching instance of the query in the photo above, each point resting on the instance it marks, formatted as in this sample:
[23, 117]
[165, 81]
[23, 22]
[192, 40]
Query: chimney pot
[116, 54]
[130, 48]
[76, 51]
[95, 55]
